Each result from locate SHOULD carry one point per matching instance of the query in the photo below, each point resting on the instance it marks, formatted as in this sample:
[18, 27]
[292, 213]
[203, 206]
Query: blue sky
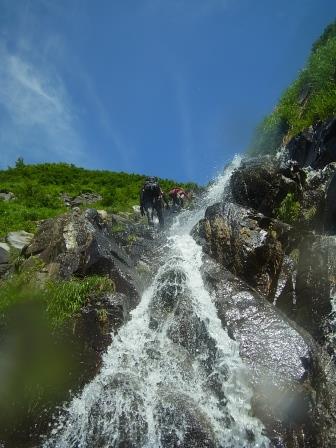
[166, 87]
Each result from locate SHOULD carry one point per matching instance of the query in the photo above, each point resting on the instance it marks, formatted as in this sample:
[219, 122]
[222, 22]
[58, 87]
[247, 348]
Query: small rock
[6, 196]
[5, 246]
[315, 146]
[19, 239]
[103, 215]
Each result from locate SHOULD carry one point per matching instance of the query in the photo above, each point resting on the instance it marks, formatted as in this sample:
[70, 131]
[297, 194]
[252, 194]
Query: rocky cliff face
[275, 231]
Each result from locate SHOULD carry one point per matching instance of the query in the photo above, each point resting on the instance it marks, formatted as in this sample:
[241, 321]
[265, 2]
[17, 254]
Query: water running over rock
[172, 377]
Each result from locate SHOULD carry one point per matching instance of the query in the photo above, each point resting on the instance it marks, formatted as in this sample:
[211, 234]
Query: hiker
[152, 198]
[178, 196]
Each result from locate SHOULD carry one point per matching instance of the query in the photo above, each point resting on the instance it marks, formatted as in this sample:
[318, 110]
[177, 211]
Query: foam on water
[172, 376]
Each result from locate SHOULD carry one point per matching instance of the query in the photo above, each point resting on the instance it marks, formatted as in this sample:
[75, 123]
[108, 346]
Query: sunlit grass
[310, 98]
[37, 189]
[61, 299]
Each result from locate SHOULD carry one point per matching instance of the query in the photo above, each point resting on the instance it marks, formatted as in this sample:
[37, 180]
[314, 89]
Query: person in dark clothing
[151, 198]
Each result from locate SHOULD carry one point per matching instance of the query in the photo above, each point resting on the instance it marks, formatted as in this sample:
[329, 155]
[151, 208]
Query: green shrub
[61, 299]
[289, 209]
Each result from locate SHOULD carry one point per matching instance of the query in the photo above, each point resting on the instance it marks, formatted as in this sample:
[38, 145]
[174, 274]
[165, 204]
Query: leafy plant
[289, 209]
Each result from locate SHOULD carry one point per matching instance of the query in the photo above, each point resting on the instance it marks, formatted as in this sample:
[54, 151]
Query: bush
[289, 210]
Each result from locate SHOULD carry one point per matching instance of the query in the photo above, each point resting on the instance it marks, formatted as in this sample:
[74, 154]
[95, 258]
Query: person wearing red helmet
[178, 196]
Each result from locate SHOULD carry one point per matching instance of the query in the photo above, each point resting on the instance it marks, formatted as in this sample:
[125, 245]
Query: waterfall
[172, 376]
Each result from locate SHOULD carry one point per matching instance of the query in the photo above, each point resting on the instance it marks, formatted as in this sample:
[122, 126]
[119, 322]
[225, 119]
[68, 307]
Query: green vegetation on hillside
[37, 189]
[310, 98]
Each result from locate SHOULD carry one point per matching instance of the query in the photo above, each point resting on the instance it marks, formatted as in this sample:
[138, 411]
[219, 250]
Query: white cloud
[37, 118]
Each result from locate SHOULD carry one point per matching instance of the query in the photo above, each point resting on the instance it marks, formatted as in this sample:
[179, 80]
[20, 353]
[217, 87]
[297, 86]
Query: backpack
[151, 187]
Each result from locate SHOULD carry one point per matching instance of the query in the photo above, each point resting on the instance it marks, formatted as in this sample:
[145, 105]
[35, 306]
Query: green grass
[309, 99]
[60, 299]
[37, 189]
[16, 215]
[66, 298]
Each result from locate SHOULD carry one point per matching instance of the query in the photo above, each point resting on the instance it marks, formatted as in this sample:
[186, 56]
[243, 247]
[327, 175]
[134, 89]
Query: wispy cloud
[37, 118]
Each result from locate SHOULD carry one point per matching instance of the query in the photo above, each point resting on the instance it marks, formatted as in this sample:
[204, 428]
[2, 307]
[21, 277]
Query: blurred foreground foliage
[37, 189]
[309, 99]
[60, 299]
[42, 359]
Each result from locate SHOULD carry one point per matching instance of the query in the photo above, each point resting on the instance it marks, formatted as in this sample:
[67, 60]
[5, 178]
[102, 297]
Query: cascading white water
[172, 377]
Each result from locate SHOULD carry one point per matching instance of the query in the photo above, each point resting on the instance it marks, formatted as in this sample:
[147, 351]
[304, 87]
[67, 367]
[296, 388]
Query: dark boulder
[307, 285]
[262, 184]
[293, 380]
[316, 203]
[100, 318]
[315, 146]
[80, 243]
[249, 244]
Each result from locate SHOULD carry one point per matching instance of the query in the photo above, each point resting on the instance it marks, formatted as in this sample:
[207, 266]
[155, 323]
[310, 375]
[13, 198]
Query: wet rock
[285, 295]
[100, 318]
[143, 245]
[182, 423]
[315, 146]
[313, 204]
[250, 245]
[315, 274]
[262, 184]
[294, 391]
[79, 243]
[19, 239]
[82, 199]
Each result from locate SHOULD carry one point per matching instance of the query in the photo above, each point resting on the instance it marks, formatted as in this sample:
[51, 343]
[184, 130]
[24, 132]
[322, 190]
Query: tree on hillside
[19, 163]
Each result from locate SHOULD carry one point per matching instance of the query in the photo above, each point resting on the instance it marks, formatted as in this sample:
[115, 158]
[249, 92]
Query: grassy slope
[37, 189]
[310, 98]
